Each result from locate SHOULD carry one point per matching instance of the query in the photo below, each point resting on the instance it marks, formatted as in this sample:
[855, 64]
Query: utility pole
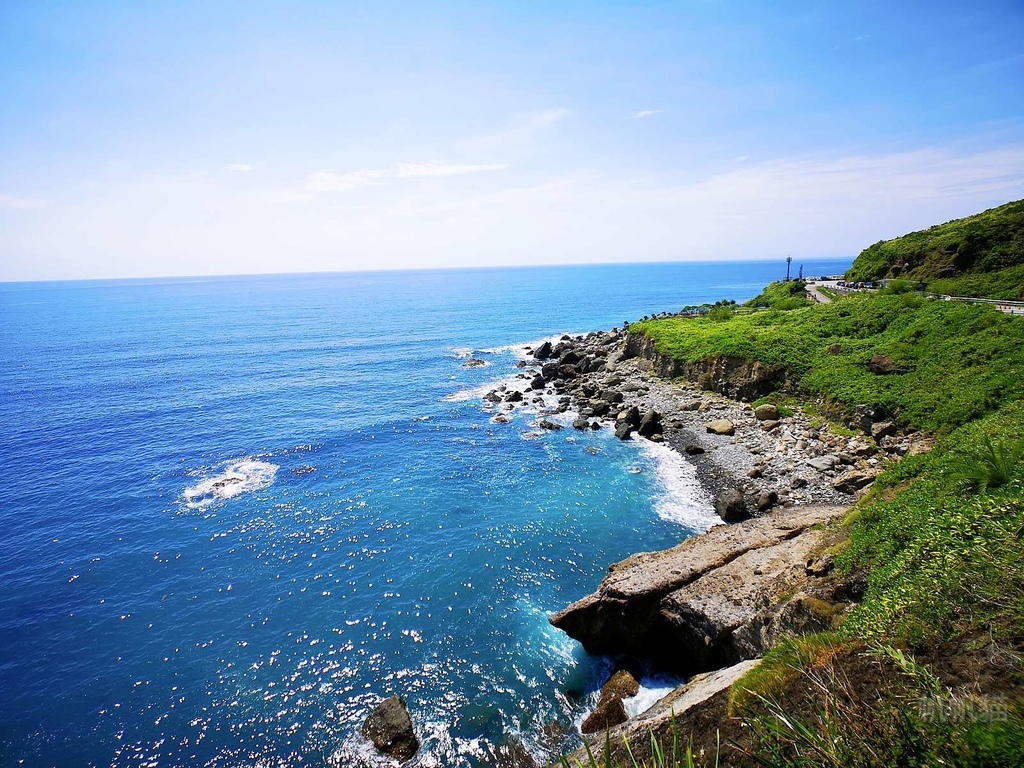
[789, 260]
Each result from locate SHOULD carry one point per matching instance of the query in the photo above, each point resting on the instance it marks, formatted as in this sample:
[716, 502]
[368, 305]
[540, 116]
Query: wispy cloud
[12, 202]
[645, 113]
[328, 180]
[237, 167]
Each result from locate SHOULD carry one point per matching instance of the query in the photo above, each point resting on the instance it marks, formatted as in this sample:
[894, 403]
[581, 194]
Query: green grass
[1005, 284]
[944, 540]
[782, 296]
[955, 362]
[986, 242]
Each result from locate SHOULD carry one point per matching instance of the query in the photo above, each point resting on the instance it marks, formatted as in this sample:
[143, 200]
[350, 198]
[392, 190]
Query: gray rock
[543, 352]
[390, 729]
[581, 423]
[729, 505]
[650, 424]
[550, 425]
[765, 500]
[630, 416]
[822, 463]
[693, 449]
[855, 480]
[770, 425]
[882, 429]
[766, 412]
[537, 383]
[623, 430]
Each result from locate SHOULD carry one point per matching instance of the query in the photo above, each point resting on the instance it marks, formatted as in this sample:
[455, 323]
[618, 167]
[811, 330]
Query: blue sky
[143, 139]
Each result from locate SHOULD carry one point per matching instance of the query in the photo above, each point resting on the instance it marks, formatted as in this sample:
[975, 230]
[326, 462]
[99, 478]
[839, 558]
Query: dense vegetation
[940, 535]
[990, 243]
[782, 295]
[952, 362]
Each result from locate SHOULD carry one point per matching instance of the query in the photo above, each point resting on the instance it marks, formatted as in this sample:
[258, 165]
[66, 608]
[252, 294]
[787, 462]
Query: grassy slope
[954, 362]
[988, 242]
[945, 558]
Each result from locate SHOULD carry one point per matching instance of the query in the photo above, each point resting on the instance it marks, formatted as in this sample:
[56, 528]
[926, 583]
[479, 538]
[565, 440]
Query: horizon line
[386, 270]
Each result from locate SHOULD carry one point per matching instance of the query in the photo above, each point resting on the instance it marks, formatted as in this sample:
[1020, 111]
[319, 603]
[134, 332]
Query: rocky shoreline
[711, 606]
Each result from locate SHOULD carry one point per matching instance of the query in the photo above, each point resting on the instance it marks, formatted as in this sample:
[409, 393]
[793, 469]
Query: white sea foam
[682, 499]
[652, 689]
[241, 477]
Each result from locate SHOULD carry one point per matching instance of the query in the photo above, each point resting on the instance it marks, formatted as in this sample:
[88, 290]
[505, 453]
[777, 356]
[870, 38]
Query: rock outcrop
[706, 603]
[693, 708]
[390, 729]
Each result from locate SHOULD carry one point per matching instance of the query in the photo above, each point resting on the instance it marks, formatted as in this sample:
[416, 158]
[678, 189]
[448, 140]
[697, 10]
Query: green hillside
[981, 255]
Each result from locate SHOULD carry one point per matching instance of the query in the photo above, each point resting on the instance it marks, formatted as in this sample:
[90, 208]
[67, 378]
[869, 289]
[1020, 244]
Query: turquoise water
[237, 511]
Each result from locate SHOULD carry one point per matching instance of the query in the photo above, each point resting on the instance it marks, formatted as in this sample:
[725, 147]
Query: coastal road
[818, 296]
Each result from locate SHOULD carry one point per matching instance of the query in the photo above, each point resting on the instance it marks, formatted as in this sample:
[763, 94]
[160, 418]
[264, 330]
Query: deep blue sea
[238, 511]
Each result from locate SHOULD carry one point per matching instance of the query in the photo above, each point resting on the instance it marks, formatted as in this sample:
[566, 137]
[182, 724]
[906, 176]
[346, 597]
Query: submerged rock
[390, 729]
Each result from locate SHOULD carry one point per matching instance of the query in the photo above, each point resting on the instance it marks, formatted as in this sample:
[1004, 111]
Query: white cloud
[237, 167]
[331, 181]
[20, 203]
[645, 113]
[823, 205]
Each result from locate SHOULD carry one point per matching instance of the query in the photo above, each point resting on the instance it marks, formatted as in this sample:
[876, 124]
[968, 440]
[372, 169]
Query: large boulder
[650, 424]
[390, 729]
[543, 352]
[605, 715]
[630, 416]
[569, 358]
[537, 382]
[766, 412]
[623, 430]
[730, 506]
[720, 427]
[855, 480]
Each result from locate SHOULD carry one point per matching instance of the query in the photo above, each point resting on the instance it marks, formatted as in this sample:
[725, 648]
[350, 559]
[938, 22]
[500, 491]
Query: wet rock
[630, 416]
[550, 425]
[766, 412]
[537, 382]
[650, 424]
[720, 427]
[581, 424]
[543, 352]
[500, 419]
[621, 685]
[514, 396]
[474, 362]
[604, 716]
[730, 506]
[623, 430]
[390, 729]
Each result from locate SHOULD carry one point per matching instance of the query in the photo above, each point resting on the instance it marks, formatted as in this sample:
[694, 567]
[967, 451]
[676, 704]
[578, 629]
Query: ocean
[238, 511]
